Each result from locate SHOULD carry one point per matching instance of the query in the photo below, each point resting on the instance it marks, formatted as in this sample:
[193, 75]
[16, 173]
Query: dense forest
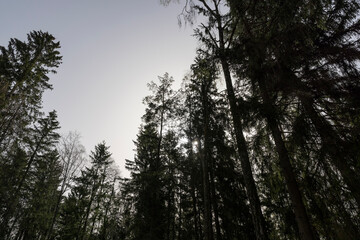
[274, 153]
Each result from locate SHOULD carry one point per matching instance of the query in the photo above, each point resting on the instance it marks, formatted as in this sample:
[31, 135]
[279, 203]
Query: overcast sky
[111, 49]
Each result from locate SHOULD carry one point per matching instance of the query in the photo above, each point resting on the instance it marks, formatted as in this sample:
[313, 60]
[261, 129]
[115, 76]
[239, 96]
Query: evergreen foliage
[273, 153]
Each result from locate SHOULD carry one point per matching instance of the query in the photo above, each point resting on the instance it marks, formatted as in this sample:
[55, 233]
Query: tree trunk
[214, 204]
[205, 157]
[169, 221]
[255, 207]
[197, 226]
[208, 233]
[195, 212]
[252, 194]
[290, 179]
[180, 213]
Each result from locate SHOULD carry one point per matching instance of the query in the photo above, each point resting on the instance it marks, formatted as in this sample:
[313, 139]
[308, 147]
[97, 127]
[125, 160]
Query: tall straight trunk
[285, 164]
[251, 191]
[173, 229]
[197, 226]
[205, 156]
[208, 231]
[169, 211]
[214, 203]
[195, 212]
[180, 213]
[200, 232]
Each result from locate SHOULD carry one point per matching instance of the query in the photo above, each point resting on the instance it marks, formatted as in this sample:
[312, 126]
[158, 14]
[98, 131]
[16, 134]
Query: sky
[111, 49]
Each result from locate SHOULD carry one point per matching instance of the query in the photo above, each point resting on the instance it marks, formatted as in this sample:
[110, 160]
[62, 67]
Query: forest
[274, 153]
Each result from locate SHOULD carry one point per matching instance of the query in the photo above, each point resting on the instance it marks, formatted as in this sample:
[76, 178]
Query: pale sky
[111, 49]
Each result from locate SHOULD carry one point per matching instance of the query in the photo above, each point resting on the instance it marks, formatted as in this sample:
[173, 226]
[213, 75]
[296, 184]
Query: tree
[295, 74]
[35, 182]
[26, 137]
[218, 36]
[152, 189]
[147, 180]
[281, 53]
[205, 118]
[160, 105]
[24, 67]
[84, 212]
[71, 154]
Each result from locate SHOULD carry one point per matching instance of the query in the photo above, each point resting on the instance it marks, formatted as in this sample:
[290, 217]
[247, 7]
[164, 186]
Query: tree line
[48, 188]
[261, 141]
